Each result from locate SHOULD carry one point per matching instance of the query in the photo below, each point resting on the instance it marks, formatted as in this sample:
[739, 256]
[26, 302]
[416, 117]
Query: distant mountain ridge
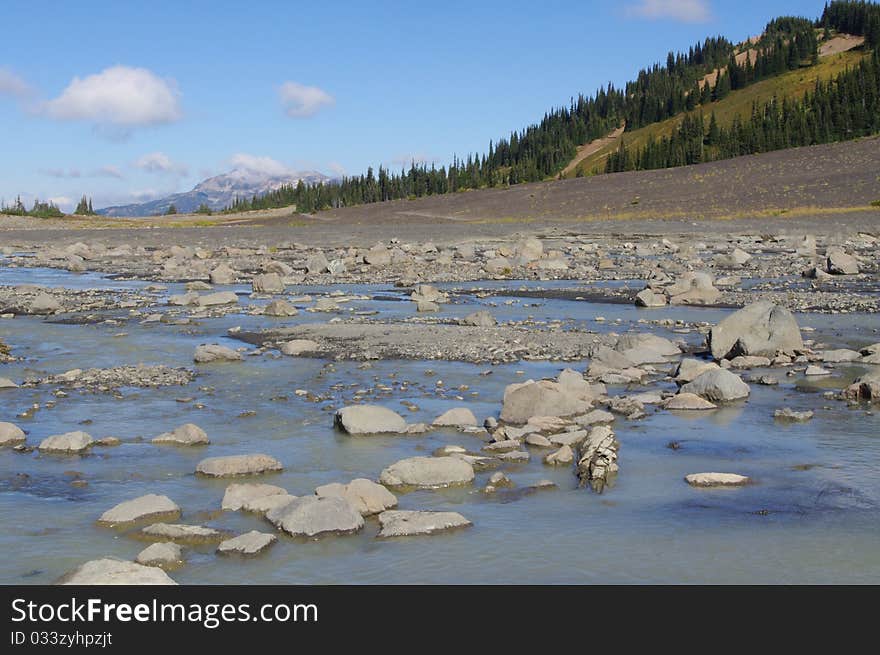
[217, 192]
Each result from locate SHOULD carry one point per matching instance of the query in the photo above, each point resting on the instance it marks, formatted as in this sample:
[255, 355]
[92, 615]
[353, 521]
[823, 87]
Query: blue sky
[131, 101]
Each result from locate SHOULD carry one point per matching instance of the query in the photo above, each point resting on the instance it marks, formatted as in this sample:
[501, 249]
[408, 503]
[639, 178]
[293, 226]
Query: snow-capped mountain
[217, 192]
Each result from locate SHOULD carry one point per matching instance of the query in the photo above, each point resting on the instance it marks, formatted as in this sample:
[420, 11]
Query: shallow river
[812, 516]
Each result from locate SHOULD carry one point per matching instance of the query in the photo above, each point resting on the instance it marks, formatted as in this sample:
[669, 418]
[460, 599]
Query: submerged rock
[716, 480]
[180, 532]
[369, 419]
[428, 472]
[109, 571]
[403, 523]
[150, 506]
[788, 414]
[249, 543]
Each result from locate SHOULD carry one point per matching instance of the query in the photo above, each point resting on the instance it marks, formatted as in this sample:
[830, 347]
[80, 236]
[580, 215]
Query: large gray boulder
[317, 263]
[544, 398]
[459, 417]
[67, 443]
[213, 352]
[839, 262]
[232, 465]
[480, 318]
[365, 495]
[109, 571]
[310, 516]
[369, 419]
[223, 274]
[403, 523]
[43, 303]
[152, 506]
[268, 283]
[280, 308]
[761, 328]
[188, 434]
[428, 472]
[717, 385]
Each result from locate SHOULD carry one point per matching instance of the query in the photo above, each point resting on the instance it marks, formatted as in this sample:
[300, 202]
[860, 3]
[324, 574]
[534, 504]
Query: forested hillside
[690, 85]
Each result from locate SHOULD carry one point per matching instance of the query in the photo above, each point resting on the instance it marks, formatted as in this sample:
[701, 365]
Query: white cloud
[686, 11]
[61, 173]
[103, 171]
[159, 162]
[254, 164]
[62, 202]
[300, 101]
[336, 168]
[108, 171]
[145, 195]
[11, 84]
[120, 97]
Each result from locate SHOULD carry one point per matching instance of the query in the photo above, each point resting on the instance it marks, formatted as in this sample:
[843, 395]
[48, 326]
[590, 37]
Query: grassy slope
[792, 84]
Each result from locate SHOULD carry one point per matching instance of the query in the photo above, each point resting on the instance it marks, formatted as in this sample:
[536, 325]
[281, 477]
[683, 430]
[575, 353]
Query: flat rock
[716, 480]
[69, 442]
[253, 464]
[188, 434]
[366, 496]
[237, 494]
[311, 516]
[280, 308]
[165, 554]
[109, 571]
[150, 506]
[299, 346]
[181, 532]
[406, 523]
[788, 414]
[428, 472]
[214, 352]
[369, 419]
[249, 543]
[10, 434]
[565, 455]
[688, 401]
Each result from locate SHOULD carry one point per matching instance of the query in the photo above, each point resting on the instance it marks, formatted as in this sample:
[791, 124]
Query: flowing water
[812, 516]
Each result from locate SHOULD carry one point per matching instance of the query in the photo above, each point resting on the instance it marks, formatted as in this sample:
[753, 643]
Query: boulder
[6, 383]
[649, 298]
[221, 467]
[458, 417]
[788, 414]
[761, 328]
[749, 361]
[223, 274]
[816, 370]
[716, 480]
[311, 516]
[840, 355]
[594, 417]
[378, 255]
[219, 298]
[693, 288]
[687, 402]
[425, 306]
[43, 303]
[366, 496]
[237, 495]
[188, 434]
[264, 504]
[317, 263]
[528, 250]
[400, 523]
[688, 369]
[428, 293]
[10, 434]
[498, 266]
[369, 419]
[718, 385]
[296, 347]
[839, 262]
[67, 443]
[544, 398]
[182, 533]
[428, 472]
[165, 555]
[867, 387]
[280, 308]
[268, 283]
[151, 506]
[481, 318]
[249, 543]
[109, 571]
[565, 455]
[213, 352]
[597, 461]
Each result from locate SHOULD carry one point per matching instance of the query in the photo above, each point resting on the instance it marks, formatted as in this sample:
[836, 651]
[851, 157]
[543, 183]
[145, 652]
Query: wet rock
[239, 494]
[296, 347]
[428, 472]
[761, 328]
[182, 533]
[268, 283]
[719, 385]
[407, 523]
[311, 516]
[280, 308]
[459, 417]
[214, 352]
[481, 318]
[366, 496]
[369, 419]
[687, 402]
[249, 543]
[816, 370]
[867, 387]
[67, 443]
[597, 461]
[716, 480]
[188, 434]
[838, 262]
[221, 467]
[788, 414]
[565, 455]
[109, 571]
[164, 554]
[10, 434]
[649, 298]
[150, 506]
[544, 398]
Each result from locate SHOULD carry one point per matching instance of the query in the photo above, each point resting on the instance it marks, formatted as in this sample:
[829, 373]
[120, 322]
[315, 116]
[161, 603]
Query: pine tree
[171, 210]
